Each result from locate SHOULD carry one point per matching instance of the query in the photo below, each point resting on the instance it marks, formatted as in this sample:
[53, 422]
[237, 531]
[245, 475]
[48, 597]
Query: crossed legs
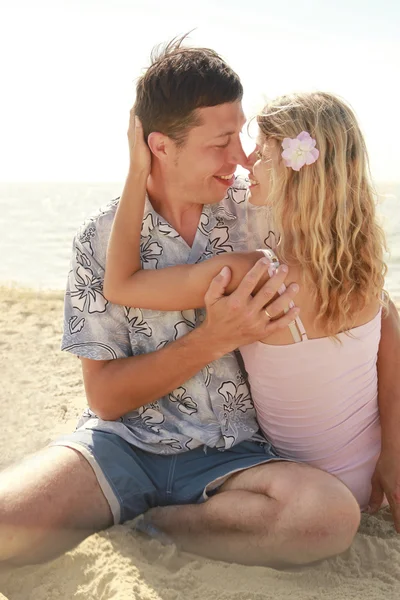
[275, 514]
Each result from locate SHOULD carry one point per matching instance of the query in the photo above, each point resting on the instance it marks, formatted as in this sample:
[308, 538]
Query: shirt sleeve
[93, 327]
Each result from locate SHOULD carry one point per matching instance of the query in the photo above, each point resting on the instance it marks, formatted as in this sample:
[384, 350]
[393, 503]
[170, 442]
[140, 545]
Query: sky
[68, 71]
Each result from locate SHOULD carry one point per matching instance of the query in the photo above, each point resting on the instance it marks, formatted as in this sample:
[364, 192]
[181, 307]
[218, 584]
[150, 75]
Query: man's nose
[237, 154]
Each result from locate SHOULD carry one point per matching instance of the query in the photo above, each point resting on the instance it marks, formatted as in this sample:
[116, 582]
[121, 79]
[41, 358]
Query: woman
[314, 385]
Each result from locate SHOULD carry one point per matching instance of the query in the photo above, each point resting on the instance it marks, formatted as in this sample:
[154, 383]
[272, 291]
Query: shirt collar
[152, 220]
[150, 216]
[210, 215]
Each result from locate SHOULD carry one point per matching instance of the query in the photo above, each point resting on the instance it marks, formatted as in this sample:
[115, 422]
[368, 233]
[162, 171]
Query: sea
[38, 222]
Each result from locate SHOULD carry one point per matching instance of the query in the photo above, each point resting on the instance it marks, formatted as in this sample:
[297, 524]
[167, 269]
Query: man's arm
[115, 388]
[386, 478]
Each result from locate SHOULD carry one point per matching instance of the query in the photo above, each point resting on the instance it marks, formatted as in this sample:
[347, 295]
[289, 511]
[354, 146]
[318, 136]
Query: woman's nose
[250, 160]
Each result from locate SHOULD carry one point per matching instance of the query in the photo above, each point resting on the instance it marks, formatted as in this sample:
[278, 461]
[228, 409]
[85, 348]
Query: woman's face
[262, 159]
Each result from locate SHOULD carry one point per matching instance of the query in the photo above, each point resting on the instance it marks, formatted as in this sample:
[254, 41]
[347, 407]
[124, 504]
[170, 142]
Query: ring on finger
[270, 317]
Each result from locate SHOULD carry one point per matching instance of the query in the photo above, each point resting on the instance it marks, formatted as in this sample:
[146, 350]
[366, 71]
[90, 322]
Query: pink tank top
[316, 401]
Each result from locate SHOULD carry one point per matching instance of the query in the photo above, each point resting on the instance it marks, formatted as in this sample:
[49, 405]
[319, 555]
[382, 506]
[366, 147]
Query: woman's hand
[139, 152]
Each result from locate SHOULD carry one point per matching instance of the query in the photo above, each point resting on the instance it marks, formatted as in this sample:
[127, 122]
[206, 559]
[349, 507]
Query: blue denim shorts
[133, 481]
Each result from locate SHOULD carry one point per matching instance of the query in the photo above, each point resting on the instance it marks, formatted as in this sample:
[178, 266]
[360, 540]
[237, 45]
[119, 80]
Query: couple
[171, 430]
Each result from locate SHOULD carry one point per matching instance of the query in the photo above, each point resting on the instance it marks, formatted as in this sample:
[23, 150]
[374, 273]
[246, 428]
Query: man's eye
[224, 146]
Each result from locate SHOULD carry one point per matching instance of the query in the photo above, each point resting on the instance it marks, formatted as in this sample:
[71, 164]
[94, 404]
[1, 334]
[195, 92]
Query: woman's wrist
[390, 441]
[138, 172]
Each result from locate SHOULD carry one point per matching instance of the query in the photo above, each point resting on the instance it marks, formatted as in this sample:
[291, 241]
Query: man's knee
[17, 531]
[49, 497]
[328, 518]
[320, 510]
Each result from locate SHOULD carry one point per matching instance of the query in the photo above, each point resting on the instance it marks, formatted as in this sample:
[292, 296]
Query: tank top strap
[296, 327]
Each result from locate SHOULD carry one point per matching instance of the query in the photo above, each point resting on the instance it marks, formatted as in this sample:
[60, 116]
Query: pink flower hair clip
[299, 151]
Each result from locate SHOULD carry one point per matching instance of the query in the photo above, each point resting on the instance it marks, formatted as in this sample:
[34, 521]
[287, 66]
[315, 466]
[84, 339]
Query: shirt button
[201, 318]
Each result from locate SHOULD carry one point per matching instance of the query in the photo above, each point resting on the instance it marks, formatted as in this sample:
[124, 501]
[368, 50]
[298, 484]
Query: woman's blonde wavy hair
[325, 213]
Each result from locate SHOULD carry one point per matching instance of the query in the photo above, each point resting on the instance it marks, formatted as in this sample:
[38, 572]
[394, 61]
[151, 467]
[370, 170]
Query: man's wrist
[206, 344]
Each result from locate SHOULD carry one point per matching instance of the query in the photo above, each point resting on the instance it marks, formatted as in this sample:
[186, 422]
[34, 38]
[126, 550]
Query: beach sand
[41, 397]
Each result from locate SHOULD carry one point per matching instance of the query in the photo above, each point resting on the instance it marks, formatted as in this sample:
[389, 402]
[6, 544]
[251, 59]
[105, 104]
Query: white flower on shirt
[75, 324]
[237, 401]
[150, 222]
[86, 291]
[172, 443]
[137, 324]
[222, 215]
[226, 442]
[271, 241]
[204, 224]
[208, 253]
[236, 398]
[191, 444]
[85, 238]
[151, 416]
[183, 327]
[238, 191]
[217, 241]
[82, 259]
[149, 251]
[166, 229]
[185, 403]
[147, 225]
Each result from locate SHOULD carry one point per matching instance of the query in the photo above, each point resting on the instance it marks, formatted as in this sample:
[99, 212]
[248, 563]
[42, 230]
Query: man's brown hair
[178, 81]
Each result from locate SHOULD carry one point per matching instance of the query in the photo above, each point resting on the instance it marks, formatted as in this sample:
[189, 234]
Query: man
[171, 423]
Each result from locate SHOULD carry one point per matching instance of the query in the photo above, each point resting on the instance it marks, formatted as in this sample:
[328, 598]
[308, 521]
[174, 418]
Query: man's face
[203, 168]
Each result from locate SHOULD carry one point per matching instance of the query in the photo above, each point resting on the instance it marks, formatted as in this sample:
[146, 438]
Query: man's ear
[158, 144]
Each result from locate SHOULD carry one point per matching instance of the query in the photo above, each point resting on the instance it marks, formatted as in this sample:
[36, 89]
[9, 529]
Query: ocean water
[38, 222]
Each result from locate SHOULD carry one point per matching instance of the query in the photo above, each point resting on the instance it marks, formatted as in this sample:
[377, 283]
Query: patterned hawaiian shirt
[214, 408]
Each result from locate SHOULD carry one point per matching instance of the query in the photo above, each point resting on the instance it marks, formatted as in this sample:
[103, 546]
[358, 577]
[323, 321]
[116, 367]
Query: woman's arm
[183, 286]
[173, 288]
[386, 478]
[123, 252]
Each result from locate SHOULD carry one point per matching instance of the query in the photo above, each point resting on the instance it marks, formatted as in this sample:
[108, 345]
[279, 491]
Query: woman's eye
[258, 154]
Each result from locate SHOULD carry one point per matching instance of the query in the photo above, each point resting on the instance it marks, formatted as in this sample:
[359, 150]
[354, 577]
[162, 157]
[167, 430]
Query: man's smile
[226, 180]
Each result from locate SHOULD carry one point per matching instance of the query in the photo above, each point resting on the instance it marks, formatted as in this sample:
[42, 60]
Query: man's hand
[386, 481]
[240, 318]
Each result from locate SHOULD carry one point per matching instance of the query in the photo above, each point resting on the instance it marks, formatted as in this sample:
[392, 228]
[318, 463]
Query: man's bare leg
[275, 514]
[48, 504]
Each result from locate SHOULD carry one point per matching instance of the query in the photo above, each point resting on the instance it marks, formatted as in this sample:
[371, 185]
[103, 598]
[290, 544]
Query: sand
[41, 397]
